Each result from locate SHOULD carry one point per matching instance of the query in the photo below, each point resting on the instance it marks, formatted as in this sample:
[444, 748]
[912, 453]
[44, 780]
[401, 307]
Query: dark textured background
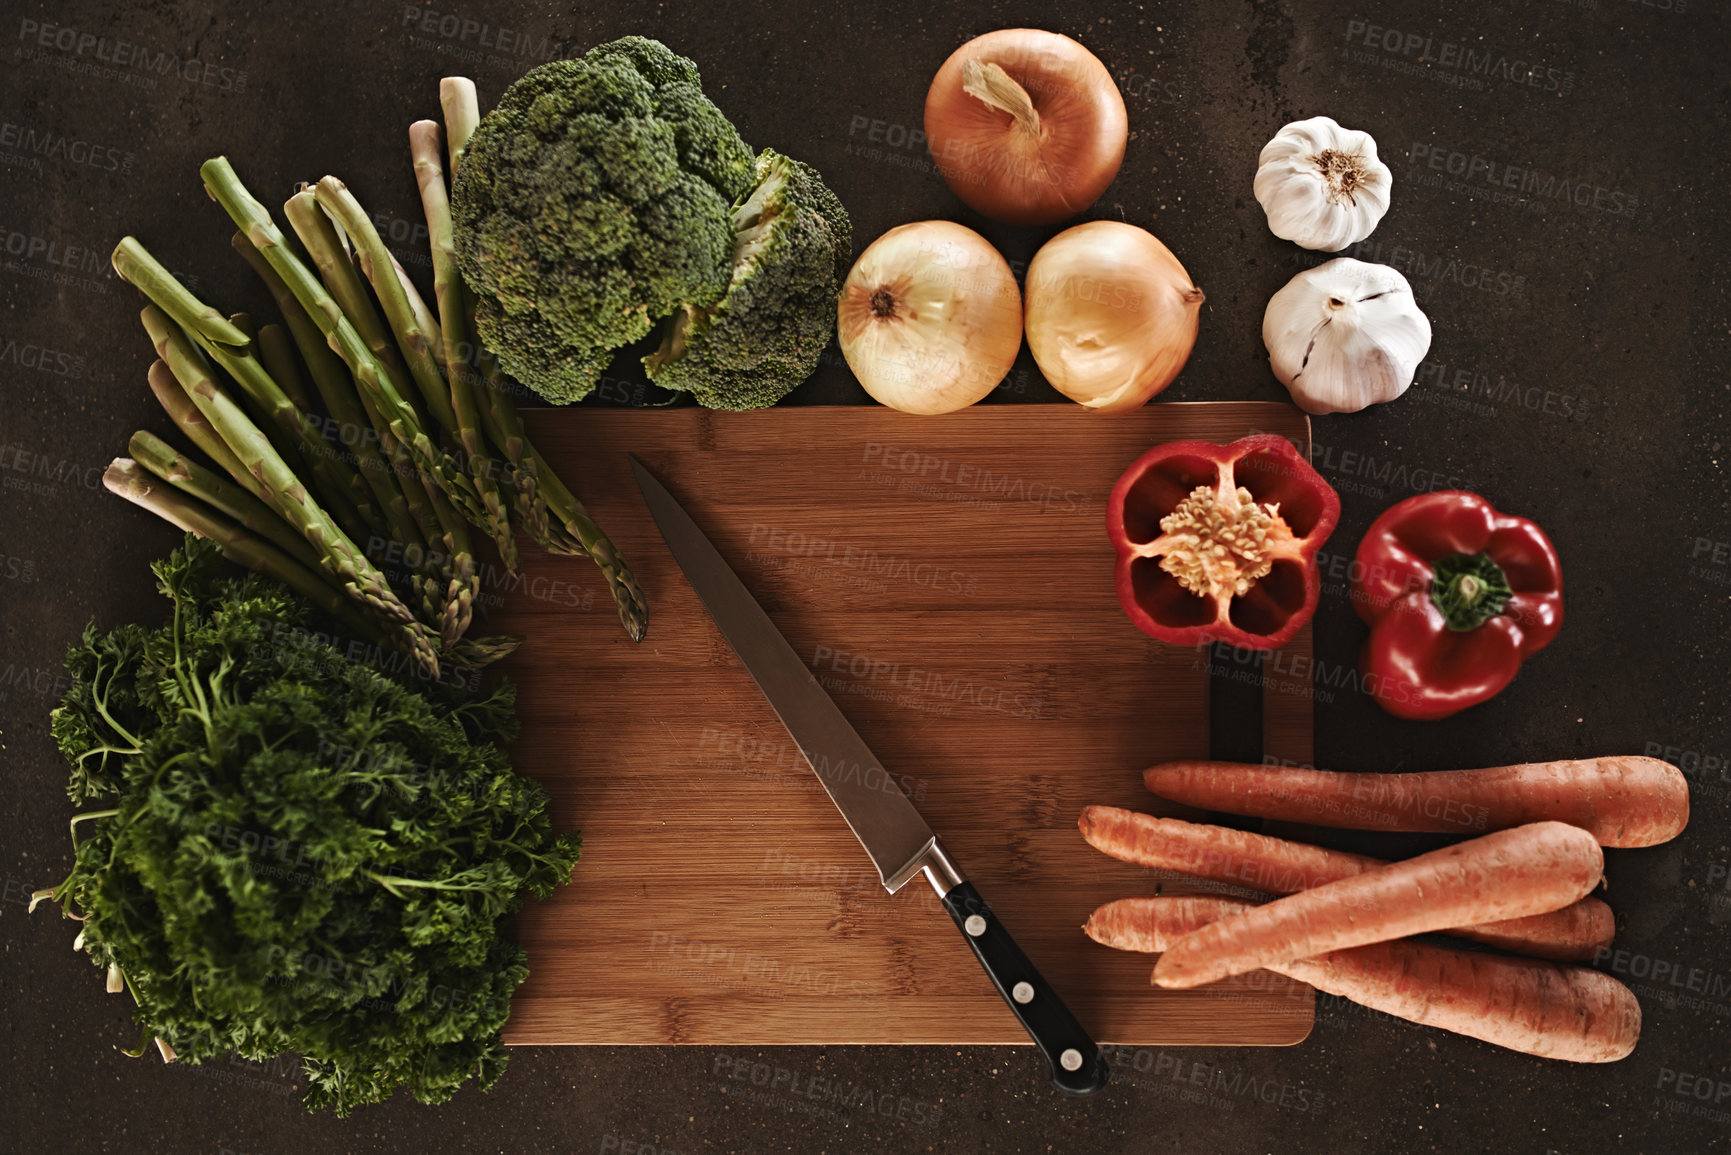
[1577, 376]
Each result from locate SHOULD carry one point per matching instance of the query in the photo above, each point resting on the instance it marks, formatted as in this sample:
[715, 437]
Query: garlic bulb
[1344, 335]
[1321, 185]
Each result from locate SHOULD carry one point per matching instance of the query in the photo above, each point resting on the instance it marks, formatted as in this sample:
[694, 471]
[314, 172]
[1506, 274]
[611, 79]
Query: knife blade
[894, 835]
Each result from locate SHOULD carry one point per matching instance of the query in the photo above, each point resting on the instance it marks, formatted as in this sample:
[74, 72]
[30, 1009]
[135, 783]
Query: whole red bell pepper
[1217, 543]
[1457, 596]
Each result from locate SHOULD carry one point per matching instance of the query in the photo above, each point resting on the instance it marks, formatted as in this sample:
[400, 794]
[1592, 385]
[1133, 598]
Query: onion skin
[1111, 314]
[930, 318]
[1005, 173]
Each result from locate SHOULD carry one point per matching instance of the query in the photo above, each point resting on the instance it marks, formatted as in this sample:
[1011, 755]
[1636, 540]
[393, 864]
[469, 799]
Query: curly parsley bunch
[292, 851]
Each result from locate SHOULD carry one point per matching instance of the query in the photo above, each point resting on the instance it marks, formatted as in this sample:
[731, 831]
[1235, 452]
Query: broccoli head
[593, 201]
[792, 244]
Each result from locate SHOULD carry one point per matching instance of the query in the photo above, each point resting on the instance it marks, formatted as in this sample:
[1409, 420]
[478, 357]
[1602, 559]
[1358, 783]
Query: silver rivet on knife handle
[1023, 993]
[1071, 1059]
[975, 926]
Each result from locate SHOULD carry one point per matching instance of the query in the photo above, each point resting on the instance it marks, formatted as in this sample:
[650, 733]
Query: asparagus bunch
[419, 440]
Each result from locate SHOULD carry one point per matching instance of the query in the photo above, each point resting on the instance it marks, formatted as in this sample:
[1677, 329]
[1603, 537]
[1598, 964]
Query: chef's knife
[898, 840]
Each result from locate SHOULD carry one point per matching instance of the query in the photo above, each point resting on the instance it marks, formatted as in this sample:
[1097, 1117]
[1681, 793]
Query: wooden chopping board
[949, 580]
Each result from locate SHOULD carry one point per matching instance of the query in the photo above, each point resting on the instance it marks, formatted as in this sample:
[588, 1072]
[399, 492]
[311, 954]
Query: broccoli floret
[593, 201]
[792, 244]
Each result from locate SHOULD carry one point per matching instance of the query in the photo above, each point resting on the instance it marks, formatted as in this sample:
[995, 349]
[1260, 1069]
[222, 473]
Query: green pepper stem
[1469, 589]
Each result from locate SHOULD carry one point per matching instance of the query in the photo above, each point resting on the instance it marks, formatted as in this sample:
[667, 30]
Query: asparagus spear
[277, 354]
[341, 491]
[148, 276]
[396, 483]
[464, 583]
[415, 344]
[283, 491]
[417, 335]
[548, 505]
[223, 495]
[462, 108]
[127, 479]
[336, 388]
[329, 253]
[440, 601]
[476, 652]
[186, 415]
[225, 187]
[455, 345]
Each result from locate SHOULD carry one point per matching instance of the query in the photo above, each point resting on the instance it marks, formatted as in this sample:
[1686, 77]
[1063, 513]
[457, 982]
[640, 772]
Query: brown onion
[1111, 314]
[1027, 127]
[930, 318]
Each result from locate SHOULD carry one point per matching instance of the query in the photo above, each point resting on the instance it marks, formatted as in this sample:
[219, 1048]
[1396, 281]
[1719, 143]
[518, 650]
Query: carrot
[1510, 874]
[1150, 925]
[1628, 801]
[1546, 1009]
[1219, 853]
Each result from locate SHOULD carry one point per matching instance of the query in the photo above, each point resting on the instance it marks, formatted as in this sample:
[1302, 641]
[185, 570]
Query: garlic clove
[1345, 335]
[1322, 185]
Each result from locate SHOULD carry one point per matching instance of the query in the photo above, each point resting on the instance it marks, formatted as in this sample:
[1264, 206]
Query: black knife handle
[1077, 1067]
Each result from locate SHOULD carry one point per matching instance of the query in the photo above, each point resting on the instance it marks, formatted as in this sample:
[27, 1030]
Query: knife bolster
[935, 865]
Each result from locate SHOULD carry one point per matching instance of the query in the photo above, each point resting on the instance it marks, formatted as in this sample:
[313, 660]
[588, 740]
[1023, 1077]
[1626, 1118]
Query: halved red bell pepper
[1457, 596]
[1217, 543]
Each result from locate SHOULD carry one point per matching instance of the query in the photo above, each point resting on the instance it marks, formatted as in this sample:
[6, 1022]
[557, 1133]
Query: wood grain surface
[950, 582]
